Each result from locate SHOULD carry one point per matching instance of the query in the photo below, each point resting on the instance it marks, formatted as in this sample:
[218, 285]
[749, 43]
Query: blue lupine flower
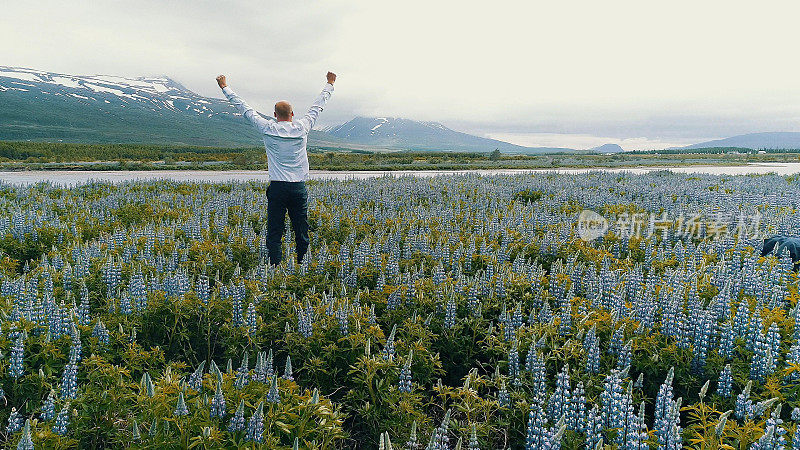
[101, 333]
[473, 303]
[539, 436]
[180, 408]
[725, 382]
[625, 356]
[26, 443]
[744, 408]
[405, 374]
[612, 400]
[636, 438]
[137, 291]
[388, 352]
[578, 409]
[147, 385]
[274, 396]
[135, 434]
[48, 408]
[639, 383]
[287, 372]
[393, 302]
[196, 380]
[14, 421]
[412, 443]
[342, 316]
[260, 371]
[125, 304]
[304, 325]
[793, 357]
[513, 364]
[255, 428]
[615, 344]
[218, 402]
[269, 370]
[438, 274]
[763, 362]
[411, 291]
[439, 439]
[450, 314]
[237, 421]
[77, 347]
[561, 400]
[592, 346]
[237, 297]
[505, 322]
[69, 381]
[726, 340]
[202, 289]
[594, 429]
[773, 338]
[15, 368]
[243, 373]
[774, 433]
[62, 421]
[502, 396]
[83, 310]
[535, 365]
[703, 329]
[667, 417]
[252, 320]
[473, 439]
[566, 315]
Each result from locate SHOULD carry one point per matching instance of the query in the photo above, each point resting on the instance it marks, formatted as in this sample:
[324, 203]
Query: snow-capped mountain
[38, 105]
[162, 91]
[48, 106]
[394, 132]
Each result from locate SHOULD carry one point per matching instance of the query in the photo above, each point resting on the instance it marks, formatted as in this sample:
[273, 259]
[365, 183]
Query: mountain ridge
[754, 141]
[41, 106]
[398, 132]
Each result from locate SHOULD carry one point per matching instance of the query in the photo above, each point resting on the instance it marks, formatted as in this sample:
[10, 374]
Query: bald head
[283, 110]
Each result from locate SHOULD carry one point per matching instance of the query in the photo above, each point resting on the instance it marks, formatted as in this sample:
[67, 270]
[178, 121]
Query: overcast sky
[640, 73]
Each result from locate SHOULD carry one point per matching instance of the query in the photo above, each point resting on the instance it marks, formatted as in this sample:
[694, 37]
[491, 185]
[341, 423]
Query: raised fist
[223, 84]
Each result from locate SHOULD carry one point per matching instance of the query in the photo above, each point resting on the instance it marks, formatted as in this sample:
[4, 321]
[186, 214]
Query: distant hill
[46, 106]
[409, 134]
[607, 148]
[755, 141]
[40, 105]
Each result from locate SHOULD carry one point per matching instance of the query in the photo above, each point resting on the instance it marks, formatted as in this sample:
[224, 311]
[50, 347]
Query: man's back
[285, 140]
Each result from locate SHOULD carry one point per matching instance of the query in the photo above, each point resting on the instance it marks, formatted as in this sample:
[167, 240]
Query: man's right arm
[260, 122]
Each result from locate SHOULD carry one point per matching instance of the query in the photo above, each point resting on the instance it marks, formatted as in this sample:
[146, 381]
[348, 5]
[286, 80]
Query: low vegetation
[60, 156]
[452, 312]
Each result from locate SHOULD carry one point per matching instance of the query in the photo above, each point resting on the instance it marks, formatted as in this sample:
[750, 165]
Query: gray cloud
[621, 68]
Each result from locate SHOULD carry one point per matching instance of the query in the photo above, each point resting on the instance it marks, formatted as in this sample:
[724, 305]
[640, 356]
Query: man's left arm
[310, 117]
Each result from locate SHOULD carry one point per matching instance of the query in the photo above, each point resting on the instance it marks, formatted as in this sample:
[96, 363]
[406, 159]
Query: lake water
[70, 178]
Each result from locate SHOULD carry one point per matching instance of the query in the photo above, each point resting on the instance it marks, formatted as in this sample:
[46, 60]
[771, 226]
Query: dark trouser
[283, 196]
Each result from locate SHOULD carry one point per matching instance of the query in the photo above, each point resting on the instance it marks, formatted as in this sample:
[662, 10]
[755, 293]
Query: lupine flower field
[456, 312]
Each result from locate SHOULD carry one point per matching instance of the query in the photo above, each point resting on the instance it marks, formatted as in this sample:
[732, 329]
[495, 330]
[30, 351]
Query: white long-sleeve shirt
[285, 141]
